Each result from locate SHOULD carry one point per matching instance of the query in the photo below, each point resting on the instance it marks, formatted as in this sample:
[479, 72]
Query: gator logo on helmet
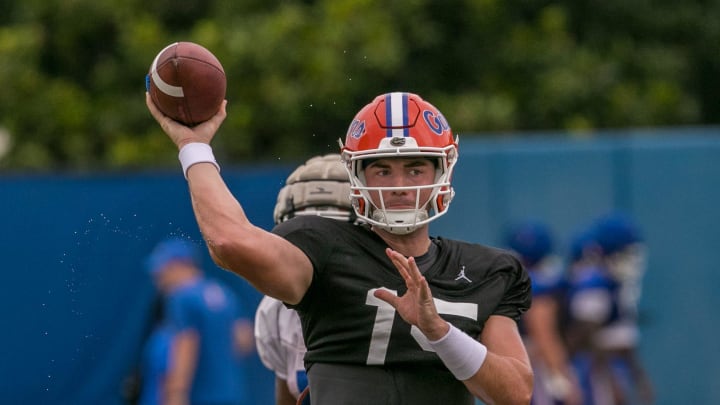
[436, 122]
[357, 129]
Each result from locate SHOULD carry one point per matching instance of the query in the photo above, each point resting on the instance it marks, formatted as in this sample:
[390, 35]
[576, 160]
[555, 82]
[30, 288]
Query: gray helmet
[319, 187]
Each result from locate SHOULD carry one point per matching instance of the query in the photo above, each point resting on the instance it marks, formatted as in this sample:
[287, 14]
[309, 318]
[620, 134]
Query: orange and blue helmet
[400, 125]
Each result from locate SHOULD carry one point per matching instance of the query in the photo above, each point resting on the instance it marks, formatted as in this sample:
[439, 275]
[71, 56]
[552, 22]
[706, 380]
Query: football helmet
[171, 250]
[531, 240]
[616, 231]
[622, 245]
[399, 125]
[318, 187]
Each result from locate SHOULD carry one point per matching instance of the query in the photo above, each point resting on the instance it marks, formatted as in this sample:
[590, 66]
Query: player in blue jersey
[318, 187]
[154, 365]
[389, 314]
[193, 355]
[555, 380]
[608, 264]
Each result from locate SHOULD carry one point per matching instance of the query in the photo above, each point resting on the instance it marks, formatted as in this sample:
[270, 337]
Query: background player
[603, 332]
[555, 380]
[318, 187]
[193, 355]
[385, 316]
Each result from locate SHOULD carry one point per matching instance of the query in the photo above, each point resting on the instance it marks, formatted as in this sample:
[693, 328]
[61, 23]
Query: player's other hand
[181, 134]
[416, 306]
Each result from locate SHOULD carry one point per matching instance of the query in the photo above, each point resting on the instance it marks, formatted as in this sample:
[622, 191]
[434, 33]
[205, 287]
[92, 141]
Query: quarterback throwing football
[389, 314]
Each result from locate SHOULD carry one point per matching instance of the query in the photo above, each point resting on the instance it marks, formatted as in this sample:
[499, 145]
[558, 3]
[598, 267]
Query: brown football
[187, 82]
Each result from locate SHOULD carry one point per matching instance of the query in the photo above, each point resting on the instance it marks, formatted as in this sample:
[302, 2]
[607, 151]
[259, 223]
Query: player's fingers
[208, 128]
[151, 106]
[413, 269]
[387, 296]
[400, 262]
[424, 292]
[165, 122]
[419, 281]
[220, 115]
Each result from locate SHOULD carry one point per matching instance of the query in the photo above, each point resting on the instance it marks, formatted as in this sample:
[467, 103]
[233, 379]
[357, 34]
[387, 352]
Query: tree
[72, 73]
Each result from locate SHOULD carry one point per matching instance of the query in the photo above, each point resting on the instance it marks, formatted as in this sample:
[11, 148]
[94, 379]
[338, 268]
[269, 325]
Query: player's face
[163, 280]
[172, 274]
[629, 263]
[408, 173]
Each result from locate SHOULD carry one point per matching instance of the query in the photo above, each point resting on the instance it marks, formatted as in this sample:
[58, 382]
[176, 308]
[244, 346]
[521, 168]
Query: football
[186, 82]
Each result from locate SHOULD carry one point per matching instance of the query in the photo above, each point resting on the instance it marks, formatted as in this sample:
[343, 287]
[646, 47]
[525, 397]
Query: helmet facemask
[369, 202]
[629, 263]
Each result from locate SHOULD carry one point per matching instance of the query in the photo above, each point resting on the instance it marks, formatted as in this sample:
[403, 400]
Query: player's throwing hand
[181, 134]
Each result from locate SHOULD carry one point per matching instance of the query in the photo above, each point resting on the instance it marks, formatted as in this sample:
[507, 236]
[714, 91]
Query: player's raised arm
[270, 263]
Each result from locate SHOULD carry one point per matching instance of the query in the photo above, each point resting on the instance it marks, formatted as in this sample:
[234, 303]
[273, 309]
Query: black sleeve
[517, 297]
[308, 233]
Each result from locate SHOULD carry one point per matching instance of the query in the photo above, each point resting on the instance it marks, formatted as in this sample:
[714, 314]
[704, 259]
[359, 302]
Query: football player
[389, 314]
[318, 187]
[603, 294]
[555, 380]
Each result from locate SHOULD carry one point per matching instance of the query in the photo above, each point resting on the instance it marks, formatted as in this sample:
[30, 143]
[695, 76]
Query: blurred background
[565, 110]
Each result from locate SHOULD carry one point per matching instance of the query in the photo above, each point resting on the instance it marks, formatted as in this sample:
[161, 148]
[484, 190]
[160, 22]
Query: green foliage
[72, 72]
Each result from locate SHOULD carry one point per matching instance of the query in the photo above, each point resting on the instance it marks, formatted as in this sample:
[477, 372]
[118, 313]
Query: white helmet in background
[319, 187]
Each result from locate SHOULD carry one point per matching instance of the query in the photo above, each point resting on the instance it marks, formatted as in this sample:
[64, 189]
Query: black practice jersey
[344, 323]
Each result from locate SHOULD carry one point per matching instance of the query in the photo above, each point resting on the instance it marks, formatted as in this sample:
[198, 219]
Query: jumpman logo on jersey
[462, 276]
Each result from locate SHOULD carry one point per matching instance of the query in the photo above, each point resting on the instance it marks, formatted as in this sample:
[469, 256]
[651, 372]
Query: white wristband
[462, 355]
[196, 152]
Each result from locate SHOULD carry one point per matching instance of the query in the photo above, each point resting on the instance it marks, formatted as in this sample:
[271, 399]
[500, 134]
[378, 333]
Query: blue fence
[76, 301]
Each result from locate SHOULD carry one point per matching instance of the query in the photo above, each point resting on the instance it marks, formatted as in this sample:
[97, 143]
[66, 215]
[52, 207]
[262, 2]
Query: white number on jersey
[386, 315]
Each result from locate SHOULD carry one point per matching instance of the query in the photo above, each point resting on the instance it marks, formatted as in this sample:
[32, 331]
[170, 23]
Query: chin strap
[399, 222]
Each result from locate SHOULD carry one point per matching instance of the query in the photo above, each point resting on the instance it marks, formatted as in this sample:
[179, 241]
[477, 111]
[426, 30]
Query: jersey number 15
[386, 316]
